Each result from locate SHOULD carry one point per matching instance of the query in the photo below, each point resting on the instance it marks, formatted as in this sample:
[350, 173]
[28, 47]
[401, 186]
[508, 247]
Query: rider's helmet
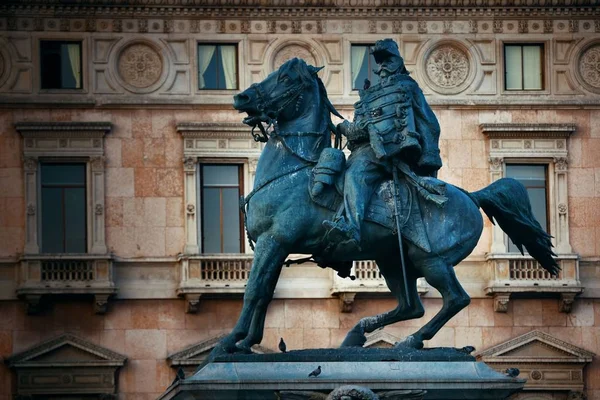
[385, 48]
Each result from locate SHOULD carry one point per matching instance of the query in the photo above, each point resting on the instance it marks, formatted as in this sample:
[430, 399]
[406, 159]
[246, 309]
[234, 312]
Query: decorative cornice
[213, 130]
[27, 357]
[63, 129]
[497, 131]
[187, 355]
[573, 353]
[413, 9]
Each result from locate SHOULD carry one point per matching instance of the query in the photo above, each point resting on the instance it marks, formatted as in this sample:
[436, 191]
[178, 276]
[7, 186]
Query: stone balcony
[73, 274]
[227, 274]
[514, 274]
[368, 280]
[213, 274]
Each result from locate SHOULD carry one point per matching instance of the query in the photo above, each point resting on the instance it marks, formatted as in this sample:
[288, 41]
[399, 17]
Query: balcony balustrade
[514, 274]
[47, 275]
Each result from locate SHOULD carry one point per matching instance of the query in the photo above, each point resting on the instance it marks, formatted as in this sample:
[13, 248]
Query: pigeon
[512, 372]
[316, 372]
[467, 349]
[282, 346]
[367, 84]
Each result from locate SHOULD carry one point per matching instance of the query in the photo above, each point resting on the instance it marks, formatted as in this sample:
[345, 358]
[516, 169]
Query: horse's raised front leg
[442, 277]
[393, 277]
[268, 260]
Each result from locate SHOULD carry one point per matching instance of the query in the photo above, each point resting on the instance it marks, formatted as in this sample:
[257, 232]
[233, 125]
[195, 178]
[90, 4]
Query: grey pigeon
[316, 372]
[467, 349]
[512, 372]
[367, 84]
[282, 346]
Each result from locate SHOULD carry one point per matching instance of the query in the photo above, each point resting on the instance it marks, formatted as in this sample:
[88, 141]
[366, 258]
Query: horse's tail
[506, 201]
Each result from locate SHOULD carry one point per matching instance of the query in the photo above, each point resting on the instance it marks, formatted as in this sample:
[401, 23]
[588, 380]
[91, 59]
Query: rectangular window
[222, 224]
[63, 208]
[60, 64]
[217, 66]
[523, 66]
[535, 179]
[363, 64]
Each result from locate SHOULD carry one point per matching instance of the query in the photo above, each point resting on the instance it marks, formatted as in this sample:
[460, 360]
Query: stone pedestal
[233, 380]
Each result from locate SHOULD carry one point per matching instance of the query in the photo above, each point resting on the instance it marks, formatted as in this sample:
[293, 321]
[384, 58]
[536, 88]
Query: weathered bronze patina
[300, 184]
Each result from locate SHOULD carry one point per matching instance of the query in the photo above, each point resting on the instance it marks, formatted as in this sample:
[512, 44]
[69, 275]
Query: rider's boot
[344, 236]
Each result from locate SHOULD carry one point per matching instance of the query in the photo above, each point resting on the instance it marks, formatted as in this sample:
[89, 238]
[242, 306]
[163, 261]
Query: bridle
[267, 106]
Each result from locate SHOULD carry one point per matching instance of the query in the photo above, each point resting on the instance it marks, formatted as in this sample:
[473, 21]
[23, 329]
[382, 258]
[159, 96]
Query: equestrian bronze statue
[308, 200]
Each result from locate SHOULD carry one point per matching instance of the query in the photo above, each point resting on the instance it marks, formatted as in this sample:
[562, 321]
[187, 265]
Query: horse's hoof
[244, 347]
[410, 342]
[354, 338]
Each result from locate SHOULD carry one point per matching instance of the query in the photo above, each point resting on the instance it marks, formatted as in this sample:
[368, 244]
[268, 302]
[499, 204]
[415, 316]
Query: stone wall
[144, 171]
[147, 331]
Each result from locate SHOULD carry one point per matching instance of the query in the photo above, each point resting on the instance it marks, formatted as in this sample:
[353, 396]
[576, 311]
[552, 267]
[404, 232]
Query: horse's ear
[314, 70]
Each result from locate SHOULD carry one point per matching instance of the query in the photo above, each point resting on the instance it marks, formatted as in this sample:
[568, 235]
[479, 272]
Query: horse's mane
[307, 73]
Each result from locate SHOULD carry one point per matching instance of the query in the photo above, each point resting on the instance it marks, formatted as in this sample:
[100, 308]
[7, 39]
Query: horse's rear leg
[393, 277]
[441, 276]
[266, 267]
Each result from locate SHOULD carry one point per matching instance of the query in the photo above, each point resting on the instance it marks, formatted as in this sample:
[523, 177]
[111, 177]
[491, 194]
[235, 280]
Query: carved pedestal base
[376, 380]
[353, 392]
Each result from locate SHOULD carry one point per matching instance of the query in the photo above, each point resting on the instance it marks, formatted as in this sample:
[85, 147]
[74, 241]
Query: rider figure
[393, 128]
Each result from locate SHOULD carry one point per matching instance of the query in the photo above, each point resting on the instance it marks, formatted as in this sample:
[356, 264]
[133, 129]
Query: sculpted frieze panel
[588, 67]
[290, 51]
[447, 67]
[140, 65]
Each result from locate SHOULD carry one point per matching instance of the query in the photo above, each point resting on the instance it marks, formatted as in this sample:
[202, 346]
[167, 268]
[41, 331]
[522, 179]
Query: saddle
[328, 175]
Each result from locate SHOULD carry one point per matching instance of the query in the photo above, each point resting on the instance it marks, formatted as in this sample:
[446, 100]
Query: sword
[397, 213]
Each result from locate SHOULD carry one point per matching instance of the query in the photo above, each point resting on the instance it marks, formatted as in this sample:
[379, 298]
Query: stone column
[30, 169]
[190, 168]
[97, 178]
[497, 172]
[252, 164]
[560, 206]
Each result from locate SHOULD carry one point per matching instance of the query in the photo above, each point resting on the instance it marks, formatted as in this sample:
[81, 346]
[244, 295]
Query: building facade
[122, 250]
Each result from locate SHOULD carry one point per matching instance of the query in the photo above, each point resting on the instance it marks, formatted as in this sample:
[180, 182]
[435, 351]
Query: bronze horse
[282, 219]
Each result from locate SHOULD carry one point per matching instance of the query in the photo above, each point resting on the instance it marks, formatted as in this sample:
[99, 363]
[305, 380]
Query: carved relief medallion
[589, 67]
[290, 51]
[447, 67]
[140, 65]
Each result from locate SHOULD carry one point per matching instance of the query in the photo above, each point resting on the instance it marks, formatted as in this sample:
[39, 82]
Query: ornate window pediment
[192, 356]
[548, 363]
[67, 365]
[513, 274]
[381, 339]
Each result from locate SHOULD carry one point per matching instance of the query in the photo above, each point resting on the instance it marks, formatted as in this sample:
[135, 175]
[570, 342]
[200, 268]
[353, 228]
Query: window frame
[529, 162]
[82, 57]
[543, 45]
[65, 142]
[240, 169]
[370, 44]
[236, 44]
[87, 192]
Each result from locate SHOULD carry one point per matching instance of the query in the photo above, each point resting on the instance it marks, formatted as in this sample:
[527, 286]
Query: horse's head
[280, 95]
